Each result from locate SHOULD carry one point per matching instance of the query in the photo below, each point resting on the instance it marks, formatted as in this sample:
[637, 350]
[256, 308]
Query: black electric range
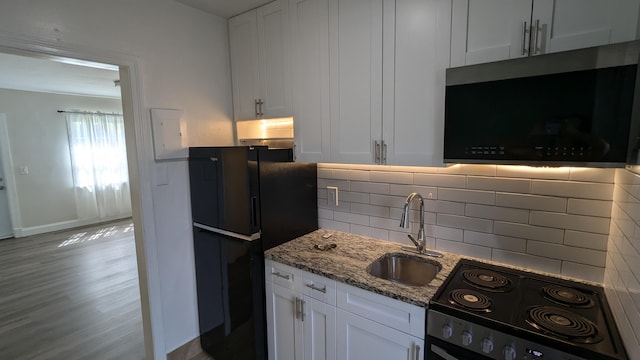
[485, 311]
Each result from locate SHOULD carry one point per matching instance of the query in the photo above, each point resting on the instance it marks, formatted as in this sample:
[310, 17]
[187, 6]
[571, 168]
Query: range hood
[274, 133]
[574, 108]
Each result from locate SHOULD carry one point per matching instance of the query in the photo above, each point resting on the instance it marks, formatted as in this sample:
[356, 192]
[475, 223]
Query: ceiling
[224, 8]
[61, 76]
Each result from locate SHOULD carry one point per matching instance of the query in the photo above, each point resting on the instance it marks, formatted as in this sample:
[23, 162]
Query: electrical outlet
[332, 193]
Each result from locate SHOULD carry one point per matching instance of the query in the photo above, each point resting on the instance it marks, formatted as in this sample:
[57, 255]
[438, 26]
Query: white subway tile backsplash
[325, 213]
[333, 225]
[573, 189]
[389, 224]
[466, 223]
[582, 271]
[586, 240]
[446, 207]
[372, 210]
[353, 197]
[391, 177]
[600, 208]
[351, 218]
[427, 192]
[463, 249]
[592, 175]
[446, 233]
[569, 253]
[533, 173]
[370, 187]
[497, 213]
[343, 174]
[531, 202]
[440, 180]
[343, 185]
[370, 232]
[532, 232]
[467, 196]
[387, 200]
[499, 184]
[527, 261]
[495, 241]
[570, 222]
[325, 173]
[479, 170]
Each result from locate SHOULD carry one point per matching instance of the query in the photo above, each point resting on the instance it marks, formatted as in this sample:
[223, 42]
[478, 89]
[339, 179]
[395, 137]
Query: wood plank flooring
[71, 295]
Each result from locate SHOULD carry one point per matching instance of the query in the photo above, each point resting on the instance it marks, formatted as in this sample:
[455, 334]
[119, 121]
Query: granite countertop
[348, 262]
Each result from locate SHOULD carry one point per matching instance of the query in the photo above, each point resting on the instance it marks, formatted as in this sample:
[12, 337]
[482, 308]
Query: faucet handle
[415, 242]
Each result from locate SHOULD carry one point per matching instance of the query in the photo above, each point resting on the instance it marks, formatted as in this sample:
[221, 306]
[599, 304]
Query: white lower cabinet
[363, 339]
[312, 317]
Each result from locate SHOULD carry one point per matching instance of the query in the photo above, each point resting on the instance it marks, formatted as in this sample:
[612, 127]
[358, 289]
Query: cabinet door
[413, 122]
[284, 330]
[274, 59]
[319, 330]
[362, 339]
[573, 24]
[355, 42]
[310, 79]
[243, 46]
[489, 30]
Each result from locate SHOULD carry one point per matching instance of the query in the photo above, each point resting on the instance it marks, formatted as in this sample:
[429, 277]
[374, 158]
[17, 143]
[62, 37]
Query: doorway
[131, 111]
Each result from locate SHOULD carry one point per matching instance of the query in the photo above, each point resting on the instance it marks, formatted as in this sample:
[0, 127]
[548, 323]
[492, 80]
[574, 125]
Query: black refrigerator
[244, 200]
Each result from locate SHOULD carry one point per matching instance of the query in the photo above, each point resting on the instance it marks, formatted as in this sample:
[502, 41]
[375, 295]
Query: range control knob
[447, 331]
[487, 345]
[466, 338]
[509, 352]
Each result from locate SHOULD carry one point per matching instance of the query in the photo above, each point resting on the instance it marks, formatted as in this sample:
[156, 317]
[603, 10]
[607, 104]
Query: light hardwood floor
[71, 295]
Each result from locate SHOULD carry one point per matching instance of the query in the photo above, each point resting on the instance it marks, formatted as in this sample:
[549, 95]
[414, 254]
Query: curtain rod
[87, 112]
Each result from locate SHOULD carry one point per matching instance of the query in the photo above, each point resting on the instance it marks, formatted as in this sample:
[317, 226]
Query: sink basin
[404, 269]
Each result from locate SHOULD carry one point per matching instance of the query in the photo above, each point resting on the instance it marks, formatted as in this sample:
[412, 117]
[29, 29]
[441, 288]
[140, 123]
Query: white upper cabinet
[413, 124]
[310, 81]
[355, 48]
[260, 62]
[368, 79]
[492, 30]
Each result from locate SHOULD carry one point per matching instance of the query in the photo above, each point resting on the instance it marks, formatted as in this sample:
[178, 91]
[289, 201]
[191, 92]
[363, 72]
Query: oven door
[441, 350]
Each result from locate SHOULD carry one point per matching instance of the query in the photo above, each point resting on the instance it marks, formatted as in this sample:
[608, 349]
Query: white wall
[184, 61]
[622, 276]
[38, 139]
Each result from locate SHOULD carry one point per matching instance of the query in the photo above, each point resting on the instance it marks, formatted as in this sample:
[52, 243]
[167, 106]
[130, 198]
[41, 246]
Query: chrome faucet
[420, 242]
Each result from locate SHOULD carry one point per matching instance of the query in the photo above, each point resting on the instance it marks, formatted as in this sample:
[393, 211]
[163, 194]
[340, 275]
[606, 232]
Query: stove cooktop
[553, 312]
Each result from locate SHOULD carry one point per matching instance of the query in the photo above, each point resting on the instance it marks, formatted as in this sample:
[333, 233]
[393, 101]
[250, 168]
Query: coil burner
[486, 280]
[567, 296]
[563, 323]
[470, 300]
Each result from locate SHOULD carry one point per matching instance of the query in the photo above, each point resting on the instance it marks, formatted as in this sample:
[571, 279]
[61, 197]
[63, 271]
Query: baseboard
[63, 225]
[187, 351]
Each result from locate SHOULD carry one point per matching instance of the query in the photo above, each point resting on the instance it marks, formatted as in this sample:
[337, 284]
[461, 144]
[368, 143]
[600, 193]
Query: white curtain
[99, 165]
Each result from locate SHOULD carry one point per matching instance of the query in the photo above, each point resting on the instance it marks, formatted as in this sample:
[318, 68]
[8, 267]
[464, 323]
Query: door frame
[10, 183]
[140, 160]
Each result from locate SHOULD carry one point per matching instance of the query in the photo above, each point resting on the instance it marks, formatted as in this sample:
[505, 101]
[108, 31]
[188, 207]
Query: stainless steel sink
[404, 269]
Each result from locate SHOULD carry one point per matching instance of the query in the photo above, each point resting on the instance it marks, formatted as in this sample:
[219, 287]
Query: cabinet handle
[376, 151]
[524, 37]
[384, 153]
[534, 38]
[416, 352]
[302, 302]
[296, 306]
[255, 106]
[260, 103]
[313, 287]
[286, 277]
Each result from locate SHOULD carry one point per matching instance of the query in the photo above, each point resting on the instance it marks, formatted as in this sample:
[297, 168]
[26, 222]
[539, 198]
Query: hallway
[71, 295]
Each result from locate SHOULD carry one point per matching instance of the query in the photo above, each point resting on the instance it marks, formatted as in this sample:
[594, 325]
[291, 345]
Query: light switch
[332, 192]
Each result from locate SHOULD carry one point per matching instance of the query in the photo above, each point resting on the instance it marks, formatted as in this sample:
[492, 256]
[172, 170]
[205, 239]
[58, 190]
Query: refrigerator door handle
[254, 211]
[252, 237]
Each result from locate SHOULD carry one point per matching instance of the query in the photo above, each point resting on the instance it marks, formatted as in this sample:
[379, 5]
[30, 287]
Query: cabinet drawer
[396, 314]
[317, 287]
[280, 274]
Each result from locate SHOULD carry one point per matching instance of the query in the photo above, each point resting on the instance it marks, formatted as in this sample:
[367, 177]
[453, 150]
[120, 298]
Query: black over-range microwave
[574, 108]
